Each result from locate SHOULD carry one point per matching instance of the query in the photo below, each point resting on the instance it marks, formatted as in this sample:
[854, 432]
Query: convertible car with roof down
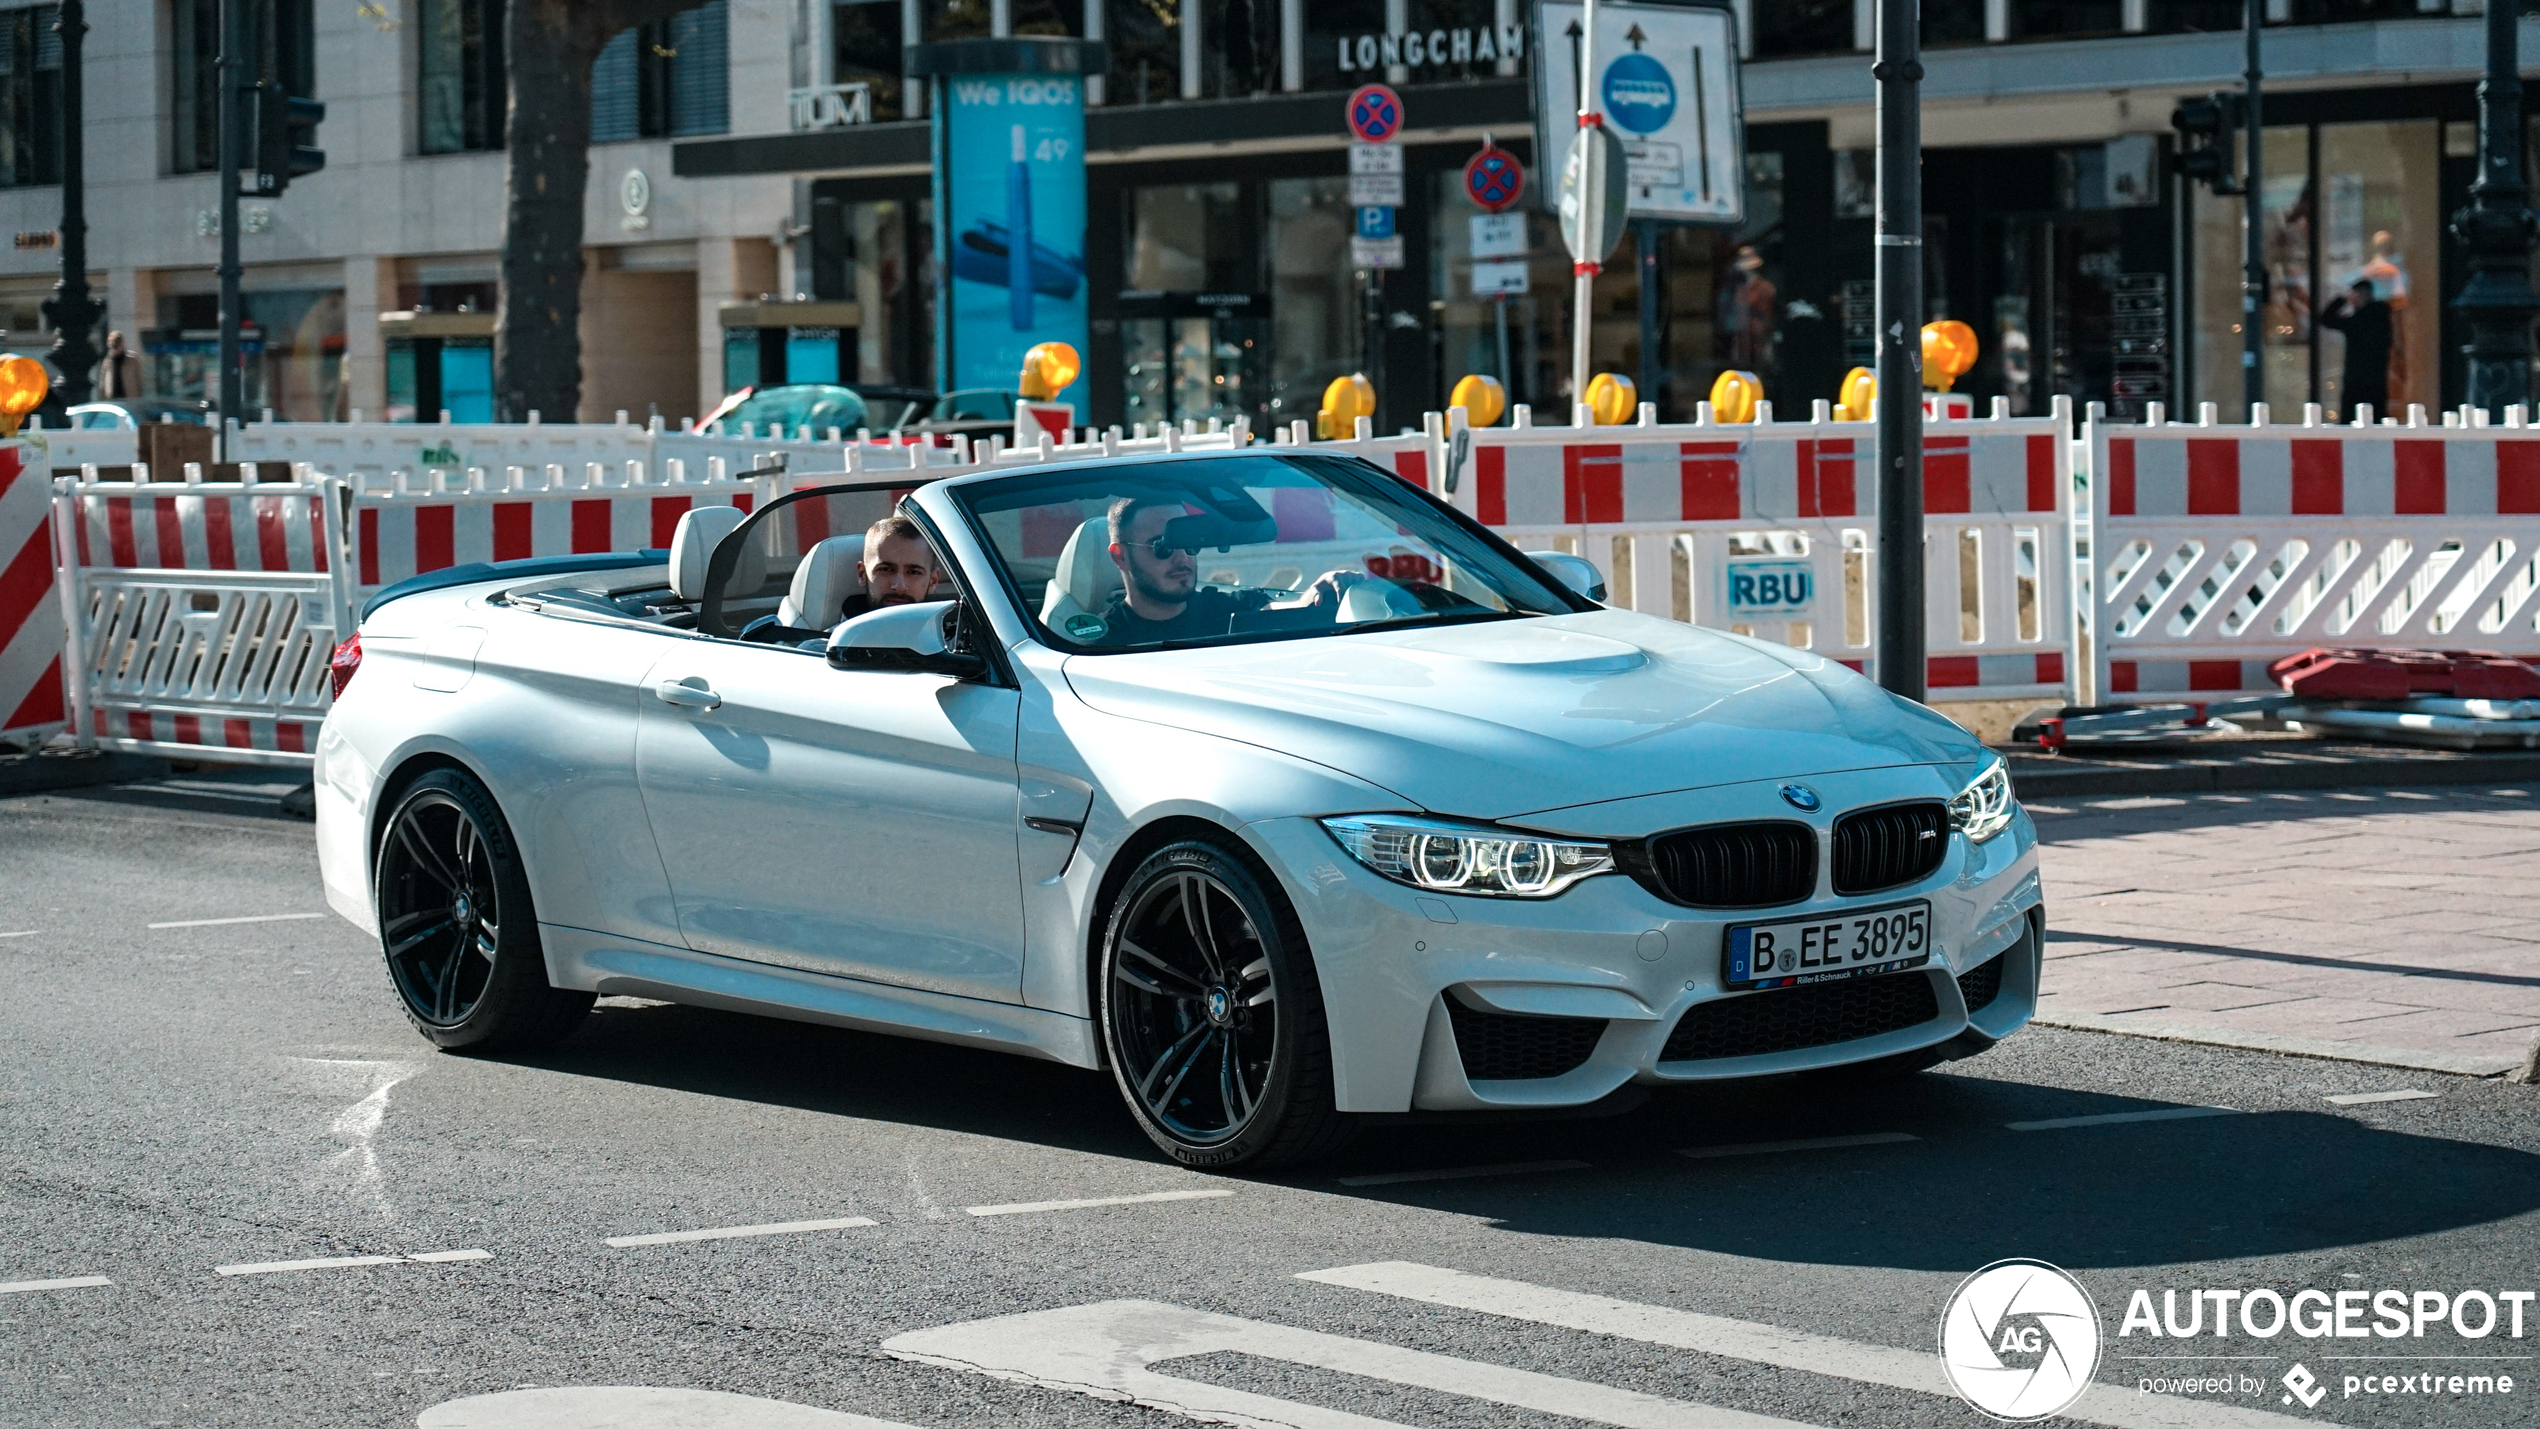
[1260, 779]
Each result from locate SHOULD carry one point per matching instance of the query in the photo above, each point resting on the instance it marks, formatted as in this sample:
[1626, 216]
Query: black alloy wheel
[456, 925]
[1211, 1015]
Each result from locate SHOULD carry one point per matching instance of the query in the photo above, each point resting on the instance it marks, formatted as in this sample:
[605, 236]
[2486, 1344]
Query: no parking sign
[1494, 179]
[1375, 113]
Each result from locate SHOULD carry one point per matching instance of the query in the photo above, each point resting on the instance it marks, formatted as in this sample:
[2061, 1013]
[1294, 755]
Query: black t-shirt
[1208, 612]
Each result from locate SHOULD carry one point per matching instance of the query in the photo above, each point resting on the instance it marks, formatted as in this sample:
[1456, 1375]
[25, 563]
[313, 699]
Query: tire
[456, 925]
[1212, 1018]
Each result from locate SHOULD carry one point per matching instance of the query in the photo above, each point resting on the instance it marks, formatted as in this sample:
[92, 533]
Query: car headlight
[1478, 859]
[1984, 808]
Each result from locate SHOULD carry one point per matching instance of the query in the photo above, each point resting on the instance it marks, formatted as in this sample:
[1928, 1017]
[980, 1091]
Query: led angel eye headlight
[1984, 807]
[1444, 857]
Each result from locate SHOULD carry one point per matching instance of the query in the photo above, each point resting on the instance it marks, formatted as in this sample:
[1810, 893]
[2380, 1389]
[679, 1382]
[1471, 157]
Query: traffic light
[286, 134]
[2205, 129]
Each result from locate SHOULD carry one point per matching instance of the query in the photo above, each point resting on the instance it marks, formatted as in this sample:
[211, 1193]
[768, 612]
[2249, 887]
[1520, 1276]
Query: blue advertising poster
[1011, 186]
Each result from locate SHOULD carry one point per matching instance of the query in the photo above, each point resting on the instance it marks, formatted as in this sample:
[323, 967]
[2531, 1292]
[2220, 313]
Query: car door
[851, 822]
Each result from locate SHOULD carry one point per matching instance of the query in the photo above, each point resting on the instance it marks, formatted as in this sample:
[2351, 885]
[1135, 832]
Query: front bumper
[1433, 999]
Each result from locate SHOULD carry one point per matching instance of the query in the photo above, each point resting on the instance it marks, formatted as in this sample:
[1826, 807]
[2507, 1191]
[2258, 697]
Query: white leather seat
[1086, 580]
[824, 581]
[692, 546]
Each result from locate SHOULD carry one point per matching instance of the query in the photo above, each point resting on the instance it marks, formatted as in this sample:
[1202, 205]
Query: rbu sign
[1770, 587]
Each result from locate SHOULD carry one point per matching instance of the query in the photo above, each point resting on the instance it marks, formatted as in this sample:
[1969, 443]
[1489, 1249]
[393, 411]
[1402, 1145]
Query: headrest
[1085, 575]
[692, 546]
[822, 583]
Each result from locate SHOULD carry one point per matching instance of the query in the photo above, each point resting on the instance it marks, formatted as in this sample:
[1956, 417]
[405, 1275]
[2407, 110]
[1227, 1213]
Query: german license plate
[1850, 942]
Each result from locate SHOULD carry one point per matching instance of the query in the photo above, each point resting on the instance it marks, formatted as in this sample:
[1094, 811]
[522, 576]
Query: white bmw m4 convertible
[1261, 779]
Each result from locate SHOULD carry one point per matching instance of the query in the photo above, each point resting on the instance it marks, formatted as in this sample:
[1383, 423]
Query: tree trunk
[546, 171]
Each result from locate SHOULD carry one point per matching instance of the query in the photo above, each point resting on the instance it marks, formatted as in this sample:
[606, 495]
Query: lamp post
[2497, 229]
[71, 310]
[1899, 74]
[2253, 230]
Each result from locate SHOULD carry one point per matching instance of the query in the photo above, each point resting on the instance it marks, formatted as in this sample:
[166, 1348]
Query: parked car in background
[123, 414]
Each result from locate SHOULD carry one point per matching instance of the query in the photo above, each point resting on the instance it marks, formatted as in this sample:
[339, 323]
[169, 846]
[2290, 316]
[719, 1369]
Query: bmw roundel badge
[1800, 797]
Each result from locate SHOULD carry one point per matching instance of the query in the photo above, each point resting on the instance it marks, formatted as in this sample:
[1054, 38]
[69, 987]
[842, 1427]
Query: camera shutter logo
[2020, 1340]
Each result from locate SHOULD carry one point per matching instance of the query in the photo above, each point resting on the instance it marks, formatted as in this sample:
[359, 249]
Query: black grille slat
[1789, 1019]
[1981, 984]
[1889, 847]
[1730, 865]
[1496, 1047]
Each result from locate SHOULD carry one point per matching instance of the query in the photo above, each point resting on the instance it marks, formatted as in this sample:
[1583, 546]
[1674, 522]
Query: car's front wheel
[456, 924]
[1211, 1014]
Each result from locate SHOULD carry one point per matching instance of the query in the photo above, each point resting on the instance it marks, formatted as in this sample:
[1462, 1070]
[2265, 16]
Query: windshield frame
[959, 489]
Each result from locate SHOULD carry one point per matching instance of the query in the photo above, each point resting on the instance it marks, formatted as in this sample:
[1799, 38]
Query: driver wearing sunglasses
[1162, 598]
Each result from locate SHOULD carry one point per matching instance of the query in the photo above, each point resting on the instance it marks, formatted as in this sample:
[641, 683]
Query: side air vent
[1496, 1047]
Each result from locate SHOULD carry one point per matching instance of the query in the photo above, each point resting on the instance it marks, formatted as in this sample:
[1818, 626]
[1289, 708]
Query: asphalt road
[176, 1099]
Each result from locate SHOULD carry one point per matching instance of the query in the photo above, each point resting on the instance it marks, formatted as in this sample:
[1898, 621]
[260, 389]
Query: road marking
[2114, 1118]
[1025, 1208]
[223, 922]
[68, 1282]
[843, 1223]
[1458, 1173]
[341, 1262]
[28, 933]
[1814, 1143]
[2410, 1094]
[1107, 1349]
[634, 1407]
[1916, 1370]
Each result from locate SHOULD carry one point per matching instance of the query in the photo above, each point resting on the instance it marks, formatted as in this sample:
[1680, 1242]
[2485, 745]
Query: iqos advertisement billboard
[1010, 205]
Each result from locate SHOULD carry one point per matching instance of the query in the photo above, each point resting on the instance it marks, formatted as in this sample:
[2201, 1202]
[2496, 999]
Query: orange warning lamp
[23, 388]
[1481, 397]
[1612, 399]
[1852, 400]
[1734, 396]
[1345, 401]
[1949, 349]
[1047, 369]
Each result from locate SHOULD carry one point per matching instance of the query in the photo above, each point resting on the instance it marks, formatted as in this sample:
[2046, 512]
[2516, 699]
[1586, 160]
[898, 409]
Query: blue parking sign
[1375, 221]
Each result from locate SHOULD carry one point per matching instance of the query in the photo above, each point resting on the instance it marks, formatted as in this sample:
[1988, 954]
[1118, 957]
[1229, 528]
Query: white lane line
[1813, 1143]
[1107, 1350]
[341, 1262]
[1916, 1370]
[843, 1223]
[2115, 1118]
[635, 1407]
[1459, 1173]
[1025, 1208]
[223, 922]
[27, 933]
[68, 1282]
[2410, 1094]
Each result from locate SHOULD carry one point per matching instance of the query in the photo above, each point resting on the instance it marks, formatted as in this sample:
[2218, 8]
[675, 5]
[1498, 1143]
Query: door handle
[692, 693]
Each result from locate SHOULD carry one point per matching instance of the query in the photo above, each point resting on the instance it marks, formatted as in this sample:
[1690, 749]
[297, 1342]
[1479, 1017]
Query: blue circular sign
[1494, 178]
[1375, 113]
[1638, 93]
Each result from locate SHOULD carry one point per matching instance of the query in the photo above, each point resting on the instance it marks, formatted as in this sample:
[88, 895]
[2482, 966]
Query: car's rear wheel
[456, 925]
[1211, 1014]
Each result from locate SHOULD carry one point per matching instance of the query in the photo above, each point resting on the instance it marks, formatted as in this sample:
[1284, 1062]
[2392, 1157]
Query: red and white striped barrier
[2217, 550]
[1768, 528]
[32, 703]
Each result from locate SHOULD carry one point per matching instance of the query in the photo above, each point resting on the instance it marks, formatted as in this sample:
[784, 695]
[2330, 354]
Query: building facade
[758, 206]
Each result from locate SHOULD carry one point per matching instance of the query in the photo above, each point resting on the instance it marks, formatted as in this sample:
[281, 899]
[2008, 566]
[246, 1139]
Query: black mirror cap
[960, 665]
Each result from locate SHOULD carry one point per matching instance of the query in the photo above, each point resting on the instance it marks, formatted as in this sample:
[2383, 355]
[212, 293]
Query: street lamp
[71, 311]
[2497, 229]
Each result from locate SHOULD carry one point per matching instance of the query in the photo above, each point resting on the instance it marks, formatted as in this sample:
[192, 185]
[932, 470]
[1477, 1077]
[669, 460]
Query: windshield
[1230, 550]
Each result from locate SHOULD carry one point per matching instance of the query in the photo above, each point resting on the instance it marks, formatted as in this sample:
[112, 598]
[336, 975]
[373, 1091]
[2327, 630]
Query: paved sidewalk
[2399, 926]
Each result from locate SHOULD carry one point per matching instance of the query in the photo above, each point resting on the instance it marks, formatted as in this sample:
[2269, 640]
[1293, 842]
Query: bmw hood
[1501, 719]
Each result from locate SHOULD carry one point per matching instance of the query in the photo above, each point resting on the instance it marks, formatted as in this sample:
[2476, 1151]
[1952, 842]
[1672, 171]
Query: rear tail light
[347, 659]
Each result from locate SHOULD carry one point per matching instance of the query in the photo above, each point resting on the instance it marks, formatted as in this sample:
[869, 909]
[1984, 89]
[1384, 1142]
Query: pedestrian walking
[119, 373]
[2365, 320]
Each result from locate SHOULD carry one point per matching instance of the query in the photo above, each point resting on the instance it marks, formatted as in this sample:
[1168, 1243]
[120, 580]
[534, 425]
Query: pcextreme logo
[2019, 1340]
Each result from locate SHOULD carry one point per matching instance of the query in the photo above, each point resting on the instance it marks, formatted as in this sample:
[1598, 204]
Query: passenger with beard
[1162, 599]
[898, 567]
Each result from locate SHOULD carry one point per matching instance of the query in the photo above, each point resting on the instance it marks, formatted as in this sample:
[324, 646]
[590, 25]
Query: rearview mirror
[912, 639]
[1578, 574]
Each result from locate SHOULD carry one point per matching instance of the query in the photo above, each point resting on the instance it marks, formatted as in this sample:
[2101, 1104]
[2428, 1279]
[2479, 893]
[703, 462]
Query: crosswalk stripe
[1917, 1370]
[624, 1406]
[1106, 1350]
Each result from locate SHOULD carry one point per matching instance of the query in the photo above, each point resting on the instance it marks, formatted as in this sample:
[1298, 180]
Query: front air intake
[1754, 865]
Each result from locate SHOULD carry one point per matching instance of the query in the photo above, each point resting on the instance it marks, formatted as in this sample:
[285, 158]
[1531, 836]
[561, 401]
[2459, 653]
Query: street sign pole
[231, 118]
[1899, 74]
[2253, 270]
[1583, 266]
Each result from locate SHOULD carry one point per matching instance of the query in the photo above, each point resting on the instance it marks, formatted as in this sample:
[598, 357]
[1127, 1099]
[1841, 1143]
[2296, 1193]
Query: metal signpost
[1899, 73]
[1494, 181]
[231, 117]
[1375, 119]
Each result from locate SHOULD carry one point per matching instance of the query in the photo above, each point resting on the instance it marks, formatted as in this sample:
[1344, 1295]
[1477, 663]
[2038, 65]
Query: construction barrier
[1767, 528]
[2218, 550]
[31, 702]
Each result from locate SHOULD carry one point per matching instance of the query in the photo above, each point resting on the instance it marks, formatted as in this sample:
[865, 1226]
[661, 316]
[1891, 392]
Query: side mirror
[910, 639]
[1578, 573]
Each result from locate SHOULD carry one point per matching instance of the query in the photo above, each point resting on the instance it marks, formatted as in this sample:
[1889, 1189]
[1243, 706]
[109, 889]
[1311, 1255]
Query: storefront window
[1802, 27]
[1316, 297]
[2286, 205]
[2379, 226]
[1144, 38]
[866, 49]
[294, 341]
[886, 248]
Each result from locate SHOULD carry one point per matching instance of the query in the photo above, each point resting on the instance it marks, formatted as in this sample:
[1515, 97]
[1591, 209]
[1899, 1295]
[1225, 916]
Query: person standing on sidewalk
[119, 373]
[2365, 320]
